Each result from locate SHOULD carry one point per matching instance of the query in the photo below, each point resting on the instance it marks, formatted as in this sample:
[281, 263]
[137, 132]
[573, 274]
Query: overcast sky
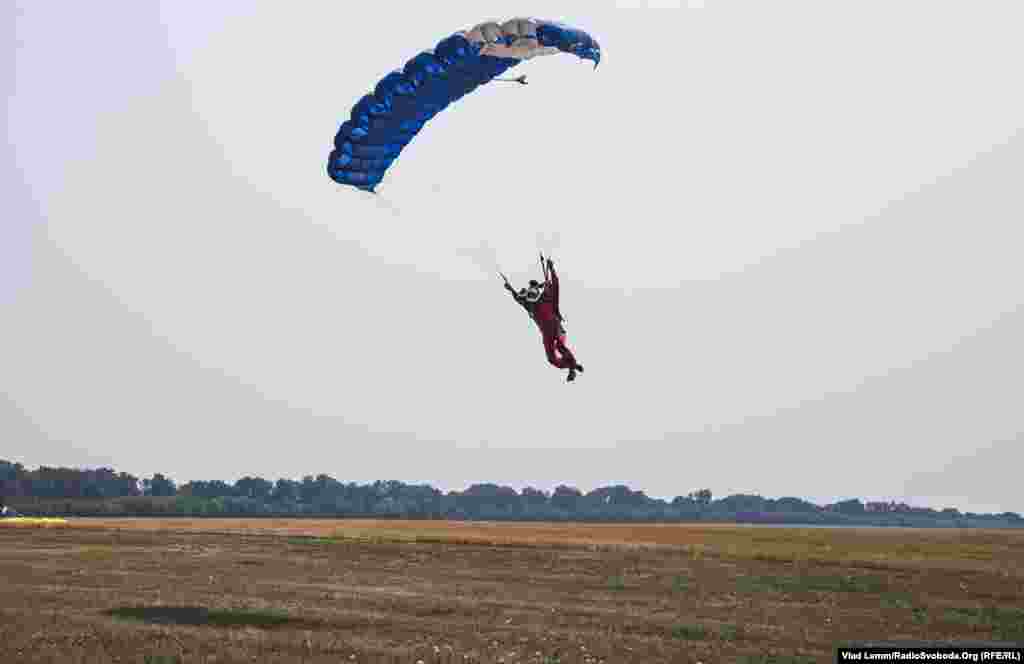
[788, 234]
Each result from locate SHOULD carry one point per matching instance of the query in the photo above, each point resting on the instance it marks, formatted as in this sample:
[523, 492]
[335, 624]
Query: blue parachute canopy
[383, 122]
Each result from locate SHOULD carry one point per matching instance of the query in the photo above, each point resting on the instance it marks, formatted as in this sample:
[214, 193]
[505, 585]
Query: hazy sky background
[789, 236]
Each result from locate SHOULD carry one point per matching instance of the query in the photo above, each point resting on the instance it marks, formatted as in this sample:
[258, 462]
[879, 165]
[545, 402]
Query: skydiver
[541, 302]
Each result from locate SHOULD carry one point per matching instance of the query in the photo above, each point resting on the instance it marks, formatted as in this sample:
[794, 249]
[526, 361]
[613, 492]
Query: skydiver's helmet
[534, 292]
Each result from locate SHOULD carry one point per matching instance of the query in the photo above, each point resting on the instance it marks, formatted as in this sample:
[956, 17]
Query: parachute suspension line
[519, 79]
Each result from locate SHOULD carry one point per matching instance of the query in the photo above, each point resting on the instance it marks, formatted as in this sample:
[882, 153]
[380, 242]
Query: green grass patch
[1006, 624]
[810, 584]
[681, 583]
[729, 632]
[617, 582]
[201, 616]
[312, 540]
[919, 614]
[689, 632]
[161, 659]
[896, 601]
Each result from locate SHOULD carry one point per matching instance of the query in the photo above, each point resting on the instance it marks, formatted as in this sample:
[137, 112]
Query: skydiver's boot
[572, 375]
[579, 367]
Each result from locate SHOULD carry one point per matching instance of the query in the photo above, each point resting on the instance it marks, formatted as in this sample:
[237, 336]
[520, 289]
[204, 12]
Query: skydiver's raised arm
[508, 286]
[552, 278]
[515, 295]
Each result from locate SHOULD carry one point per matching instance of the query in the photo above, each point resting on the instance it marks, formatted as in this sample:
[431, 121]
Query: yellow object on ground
[32, 521]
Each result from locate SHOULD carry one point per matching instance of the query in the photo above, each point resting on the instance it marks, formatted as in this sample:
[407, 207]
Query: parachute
[383, 122]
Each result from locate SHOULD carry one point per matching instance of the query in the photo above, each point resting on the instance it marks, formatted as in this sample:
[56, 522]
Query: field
[263, 590]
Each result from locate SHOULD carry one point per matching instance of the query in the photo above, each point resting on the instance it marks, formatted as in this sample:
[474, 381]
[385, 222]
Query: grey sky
[788, 234]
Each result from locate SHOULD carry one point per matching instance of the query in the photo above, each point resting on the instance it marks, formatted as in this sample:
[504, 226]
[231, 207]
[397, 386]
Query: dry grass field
[263, 590]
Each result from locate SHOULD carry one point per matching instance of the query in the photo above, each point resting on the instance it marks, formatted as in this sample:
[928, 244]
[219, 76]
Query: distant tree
[618, 496]
[702, 497]
[11, 471]
[253, 487]
[308, 489]
[533, 497]
[795, 505]
[488, 500]
[852, 506]
[742, 503]
[159, 485]
[285, 491]
[566, 498]
[207, 489]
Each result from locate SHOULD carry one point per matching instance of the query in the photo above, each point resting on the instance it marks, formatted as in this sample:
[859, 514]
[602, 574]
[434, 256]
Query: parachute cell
[383, 122]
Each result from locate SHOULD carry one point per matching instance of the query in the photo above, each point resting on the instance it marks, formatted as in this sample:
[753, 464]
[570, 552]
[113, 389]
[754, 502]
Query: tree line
[102, 491]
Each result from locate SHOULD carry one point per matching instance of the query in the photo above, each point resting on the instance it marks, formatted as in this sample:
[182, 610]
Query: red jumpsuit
[546, 315]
